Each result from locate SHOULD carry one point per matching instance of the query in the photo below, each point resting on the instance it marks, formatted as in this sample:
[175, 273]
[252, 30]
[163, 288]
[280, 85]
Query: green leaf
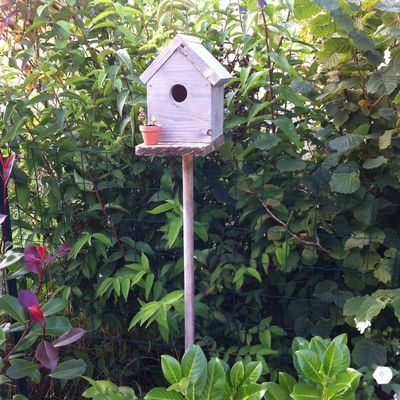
[282, 62]
[252, 372]
[333, 360]
[266, 142]
[162, 394]
[383, 83]
[174, 227]
[276, 392]
[289, 164]
[305, 392]
[287, 127]
[252, 391]
[53, 306]
[125, 58]
[101, 237]
[55, 326]
[144, 262]
[121, 101]
[10, 258]
[214, 387]
[344, 182]
[125, 284]
[396, 307]
[339, 45]
[328, 4]
[104, 286]
[12, 308]
[346, 143]
[171, 369]
[309, 364]
[286, 381]
[194, 364]
[69, 369]
[367, 353]
[372, 163]
[362, 41]
[173, 297]
[385, 140]
[40, 98]
[237, 374]
[162, 208]
[20, 368]
[304, 9]
[83, 184]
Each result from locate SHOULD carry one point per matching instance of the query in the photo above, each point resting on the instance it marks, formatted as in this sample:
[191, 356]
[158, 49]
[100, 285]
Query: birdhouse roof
[191, 47]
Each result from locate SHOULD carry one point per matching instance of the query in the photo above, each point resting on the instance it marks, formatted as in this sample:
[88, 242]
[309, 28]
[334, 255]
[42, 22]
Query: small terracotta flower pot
[151, 134]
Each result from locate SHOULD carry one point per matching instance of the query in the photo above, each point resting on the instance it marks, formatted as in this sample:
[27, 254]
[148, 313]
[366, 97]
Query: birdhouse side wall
[217, 111]
[188, 121]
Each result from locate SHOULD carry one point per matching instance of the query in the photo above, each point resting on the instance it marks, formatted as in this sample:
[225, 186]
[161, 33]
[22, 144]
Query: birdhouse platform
[170, 149]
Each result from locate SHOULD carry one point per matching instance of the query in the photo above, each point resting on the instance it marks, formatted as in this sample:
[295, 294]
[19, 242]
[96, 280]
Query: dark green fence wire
[58, 194]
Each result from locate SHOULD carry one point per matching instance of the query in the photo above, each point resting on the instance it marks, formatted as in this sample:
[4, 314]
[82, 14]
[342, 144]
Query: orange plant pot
[151, 134]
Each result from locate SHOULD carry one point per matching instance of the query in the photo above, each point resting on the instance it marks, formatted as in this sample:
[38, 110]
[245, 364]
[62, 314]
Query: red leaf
[7, 168]
[47, 355]
[36, 313]
[69, 337]
[34, 257]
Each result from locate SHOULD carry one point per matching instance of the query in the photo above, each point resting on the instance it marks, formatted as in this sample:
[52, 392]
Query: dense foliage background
[297, 215]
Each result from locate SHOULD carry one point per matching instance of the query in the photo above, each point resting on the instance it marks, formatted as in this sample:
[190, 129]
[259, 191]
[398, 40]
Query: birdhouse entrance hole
[179, 93]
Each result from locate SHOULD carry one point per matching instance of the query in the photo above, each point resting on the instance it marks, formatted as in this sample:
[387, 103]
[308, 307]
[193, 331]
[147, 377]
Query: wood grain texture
[188, 249]
[217, 111]
[171, 149]
[187, 121]
[199, 56]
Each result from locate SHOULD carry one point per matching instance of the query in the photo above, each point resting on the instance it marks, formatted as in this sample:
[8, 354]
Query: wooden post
[188, 248]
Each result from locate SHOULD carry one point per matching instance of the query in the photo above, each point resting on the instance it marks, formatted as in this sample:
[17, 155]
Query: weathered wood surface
[198, 55]
[170, 149]
[188, 249]
[186, 121]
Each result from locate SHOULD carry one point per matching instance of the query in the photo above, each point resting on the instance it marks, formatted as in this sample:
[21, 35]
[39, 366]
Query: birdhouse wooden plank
[185, 90]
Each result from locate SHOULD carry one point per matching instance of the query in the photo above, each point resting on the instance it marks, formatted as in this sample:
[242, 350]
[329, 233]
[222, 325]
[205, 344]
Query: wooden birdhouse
[185, 90]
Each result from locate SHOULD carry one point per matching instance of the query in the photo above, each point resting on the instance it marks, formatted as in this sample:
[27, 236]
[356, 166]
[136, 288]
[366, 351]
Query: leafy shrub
[298, 211]
[324, 372]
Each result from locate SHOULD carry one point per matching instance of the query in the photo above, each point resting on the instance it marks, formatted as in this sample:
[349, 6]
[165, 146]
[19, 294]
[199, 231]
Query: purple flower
[261, 3]
[242, 9]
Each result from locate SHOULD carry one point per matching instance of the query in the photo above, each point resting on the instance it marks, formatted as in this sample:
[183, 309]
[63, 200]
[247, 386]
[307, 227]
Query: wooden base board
[170, 149]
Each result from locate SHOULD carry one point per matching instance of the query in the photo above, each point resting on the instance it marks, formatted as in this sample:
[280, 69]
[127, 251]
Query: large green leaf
[309, 364]
[345, 183]
[214, 387]
[305, 392]
[276, 392]
[305, 9]
[383, 83]
[194, 364]
[334, 361]
[53, 306]
[171, 369]
[162, 394]
[12, 308]
[20, 368]
[289, 130]
[69, 370]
